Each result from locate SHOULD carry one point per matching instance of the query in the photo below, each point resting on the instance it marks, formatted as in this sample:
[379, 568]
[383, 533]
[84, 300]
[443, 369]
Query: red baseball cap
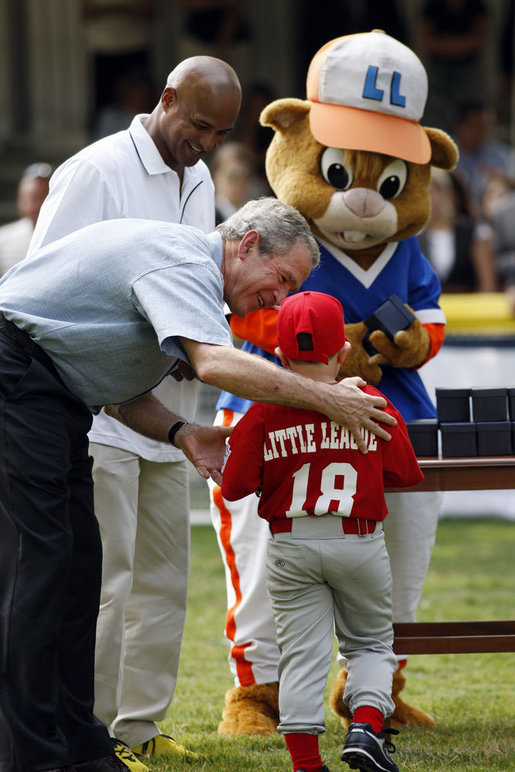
[310, 326]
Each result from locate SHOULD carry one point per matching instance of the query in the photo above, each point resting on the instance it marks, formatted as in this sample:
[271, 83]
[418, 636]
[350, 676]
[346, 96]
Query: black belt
[23, 341]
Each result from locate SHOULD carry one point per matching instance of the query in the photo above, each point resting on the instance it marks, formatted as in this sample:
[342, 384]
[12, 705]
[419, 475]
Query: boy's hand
[183, 371]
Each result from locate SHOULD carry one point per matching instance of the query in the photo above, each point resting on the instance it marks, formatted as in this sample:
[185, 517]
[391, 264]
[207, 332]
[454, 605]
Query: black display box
[494, 438]
[453, 405]
[511, 403]
[489, 403]
[390, 317]
[423, 435]
[458, 439]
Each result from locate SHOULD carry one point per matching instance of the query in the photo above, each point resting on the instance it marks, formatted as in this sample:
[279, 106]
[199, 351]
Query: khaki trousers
[143, 511]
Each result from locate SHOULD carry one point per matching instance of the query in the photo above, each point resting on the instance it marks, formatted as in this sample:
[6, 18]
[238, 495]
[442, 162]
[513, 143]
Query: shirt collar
[216, 247]
[147, 151]
[150, 156]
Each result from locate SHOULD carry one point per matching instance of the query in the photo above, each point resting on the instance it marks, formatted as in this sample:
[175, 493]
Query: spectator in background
[234, 177]
[249, 130]
[15, 236]
[500, 208]
[497, 188]
[319, 22]
[482, 156]
[118, 40]
[134, 94]
[507, 63]
[452, 36]
[216, 28]
[456, 243]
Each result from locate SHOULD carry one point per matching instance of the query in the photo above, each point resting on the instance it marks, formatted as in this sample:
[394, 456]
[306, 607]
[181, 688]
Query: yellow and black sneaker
[127, 757]
[164, 745]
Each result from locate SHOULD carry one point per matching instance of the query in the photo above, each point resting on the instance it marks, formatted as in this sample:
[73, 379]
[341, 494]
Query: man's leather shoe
[61, 769]
[107, 764]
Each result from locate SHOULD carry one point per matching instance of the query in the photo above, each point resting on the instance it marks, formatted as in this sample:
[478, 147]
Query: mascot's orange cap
[368, 92]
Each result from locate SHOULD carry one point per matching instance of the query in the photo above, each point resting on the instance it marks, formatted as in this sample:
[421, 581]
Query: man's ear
[250, 239]
[342, 353]
[279, 354]
[168, 98]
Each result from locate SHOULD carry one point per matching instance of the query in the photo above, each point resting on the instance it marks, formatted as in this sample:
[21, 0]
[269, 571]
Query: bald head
[208, 72]
[197, 109]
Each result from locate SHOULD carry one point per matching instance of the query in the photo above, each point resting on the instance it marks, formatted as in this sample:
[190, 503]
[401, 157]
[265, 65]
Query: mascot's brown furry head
[354, 158]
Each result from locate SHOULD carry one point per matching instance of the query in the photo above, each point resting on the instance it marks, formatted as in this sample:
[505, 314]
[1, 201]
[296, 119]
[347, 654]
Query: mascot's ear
[283, 113]
[444, 153]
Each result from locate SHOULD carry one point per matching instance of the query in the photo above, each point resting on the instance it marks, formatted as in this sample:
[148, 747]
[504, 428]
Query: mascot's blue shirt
[401, 269]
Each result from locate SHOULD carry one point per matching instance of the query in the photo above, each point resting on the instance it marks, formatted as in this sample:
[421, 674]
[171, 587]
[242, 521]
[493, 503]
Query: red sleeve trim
[436, 338]
[258, 328]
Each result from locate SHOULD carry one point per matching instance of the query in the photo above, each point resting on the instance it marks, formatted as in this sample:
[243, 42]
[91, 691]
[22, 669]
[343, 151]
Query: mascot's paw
[250, 710]
[357, 361]
[410, 348]
[336, 699]
[404, 715]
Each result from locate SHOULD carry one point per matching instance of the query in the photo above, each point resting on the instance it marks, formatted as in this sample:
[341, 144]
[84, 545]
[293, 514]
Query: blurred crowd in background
[470, 237]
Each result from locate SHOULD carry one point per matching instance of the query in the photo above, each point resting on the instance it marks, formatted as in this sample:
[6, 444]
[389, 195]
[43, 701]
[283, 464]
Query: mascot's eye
[393, 180]
[334, 171]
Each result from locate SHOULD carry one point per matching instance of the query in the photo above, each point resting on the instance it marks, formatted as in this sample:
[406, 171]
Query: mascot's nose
[364, 202]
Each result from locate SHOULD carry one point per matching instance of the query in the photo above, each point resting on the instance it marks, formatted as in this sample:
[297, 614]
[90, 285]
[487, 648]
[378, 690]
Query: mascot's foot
[250, 710]
[404, 715]
[336, 699]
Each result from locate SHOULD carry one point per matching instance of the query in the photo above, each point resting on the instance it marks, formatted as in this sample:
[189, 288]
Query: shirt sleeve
[183, 301]
[243, 470]
[400, 466]
[258, 327]
[424, 288]
[79, 196]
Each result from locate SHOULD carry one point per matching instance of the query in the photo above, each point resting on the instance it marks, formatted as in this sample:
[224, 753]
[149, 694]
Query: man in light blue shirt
[101, 302]
[95, 318]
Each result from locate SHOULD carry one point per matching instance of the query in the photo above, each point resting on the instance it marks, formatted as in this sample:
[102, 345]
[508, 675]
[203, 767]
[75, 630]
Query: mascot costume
[355, 161]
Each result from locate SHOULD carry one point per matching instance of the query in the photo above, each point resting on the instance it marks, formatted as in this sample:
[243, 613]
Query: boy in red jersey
[327, 567]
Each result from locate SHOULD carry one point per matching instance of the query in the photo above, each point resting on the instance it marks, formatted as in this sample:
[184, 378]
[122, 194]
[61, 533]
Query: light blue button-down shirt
[110, 302]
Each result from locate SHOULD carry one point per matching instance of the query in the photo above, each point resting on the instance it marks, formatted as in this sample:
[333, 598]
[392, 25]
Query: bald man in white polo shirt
[153, 170]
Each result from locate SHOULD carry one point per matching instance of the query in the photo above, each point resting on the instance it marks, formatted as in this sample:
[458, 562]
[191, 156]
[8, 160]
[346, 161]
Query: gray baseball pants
[321, 582]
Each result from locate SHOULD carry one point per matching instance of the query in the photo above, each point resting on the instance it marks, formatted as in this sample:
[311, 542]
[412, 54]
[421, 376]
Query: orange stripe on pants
[243, 668]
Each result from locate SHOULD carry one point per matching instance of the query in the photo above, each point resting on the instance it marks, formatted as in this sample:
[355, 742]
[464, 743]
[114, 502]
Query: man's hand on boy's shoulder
[363, 410]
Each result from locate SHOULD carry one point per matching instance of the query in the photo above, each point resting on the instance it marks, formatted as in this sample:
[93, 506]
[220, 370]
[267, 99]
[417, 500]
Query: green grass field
[471, 696]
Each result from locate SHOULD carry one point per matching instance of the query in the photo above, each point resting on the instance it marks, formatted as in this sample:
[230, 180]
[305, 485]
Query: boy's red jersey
[304, 464]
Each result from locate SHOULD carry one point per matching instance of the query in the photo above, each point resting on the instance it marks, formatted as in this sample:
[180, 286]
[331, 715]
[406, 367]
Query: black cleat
[106, 764]
[324, 769]
[367, 750]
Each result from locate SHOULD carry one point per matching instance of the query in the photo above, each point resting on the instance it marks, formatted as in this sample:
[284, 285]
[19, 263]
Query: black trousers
[50, 568]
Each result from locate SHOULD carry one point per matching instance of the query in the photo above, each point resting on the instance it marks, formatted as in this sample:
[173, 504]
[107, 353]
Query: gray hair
[279, 225]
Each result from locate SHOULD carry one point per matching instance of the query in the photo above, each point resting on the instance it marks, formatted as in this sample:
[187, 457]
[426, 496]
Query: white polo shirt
[124, 176]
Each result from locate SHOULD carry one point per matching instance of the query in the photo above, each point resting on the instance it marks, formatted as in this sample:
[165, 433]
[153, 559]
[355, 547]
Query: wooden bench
[454, 637]
[455, 474]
